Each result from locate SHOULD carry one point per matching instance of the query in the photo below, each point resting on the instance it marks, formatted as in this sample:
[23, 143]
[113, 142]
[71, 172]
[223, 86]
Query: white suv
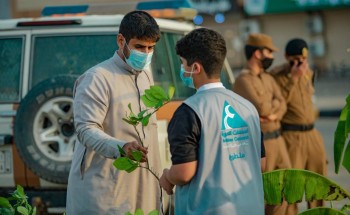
[39, 62]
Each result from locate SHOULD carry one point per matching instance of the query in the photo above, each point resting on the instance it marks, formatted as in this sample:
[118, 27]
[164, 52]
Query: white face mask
[138, 60]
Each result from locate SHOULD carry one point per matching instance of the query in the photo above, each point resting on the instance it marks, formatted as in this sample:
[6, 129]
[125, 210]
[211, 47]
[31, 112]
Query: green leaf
[135, 119]
[160, 104]
[149, 93]
[346, 160]
[140, 115]
[159, 93]
[132, 168]
[322, 211]
[137, 155]
[154, 212]
[121, 150]
[171, 92]
[5, 203]
[20, 191]
[347, 122]
[129, 106]
[145, 120]
[138, 212]
[345, 208]
[6, 211]
[148, 102]
[125, 163]
[128, 213]
[34, 211]
[131, 122]
[339, 142]
[22, 210]
[293, 184]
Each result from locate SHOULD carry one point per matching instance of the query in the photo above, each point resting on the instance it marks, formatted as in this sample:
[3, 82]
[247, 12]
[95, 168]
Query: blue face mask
[188, 81]
[138, 60]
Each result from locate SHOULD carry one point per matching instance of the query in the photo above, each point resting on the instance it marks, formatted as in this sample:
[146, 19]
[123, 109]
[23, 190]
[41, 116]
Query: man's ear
[257, 53]
[197, 67]
[120, 41]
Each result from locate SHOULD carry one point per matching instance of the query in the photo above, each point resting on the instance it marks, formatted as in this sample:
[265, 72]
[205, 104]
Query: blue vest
[228, 178]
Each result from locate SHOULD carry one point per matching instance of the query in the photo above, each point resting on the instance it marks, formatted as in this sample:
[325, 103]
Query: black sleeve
[184, 135]
[262, 146]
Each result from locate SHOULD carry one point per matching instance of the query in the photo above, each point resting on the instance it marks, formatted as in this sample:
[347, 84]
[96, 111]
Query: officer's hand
[276, 103]
[165, 184]
[263, 119]
[298, 70]
[272, 117]
[135, 146]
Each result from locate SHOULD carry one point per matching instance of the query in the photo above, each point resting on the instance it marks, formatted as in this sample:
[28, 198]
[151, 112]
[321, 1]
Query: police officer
[304, 143]
[260, 88]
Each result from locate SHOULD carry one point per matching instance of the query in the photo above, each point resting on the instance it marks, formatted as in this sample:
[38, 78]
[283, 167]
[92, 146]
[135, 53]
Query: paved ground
[330, 93]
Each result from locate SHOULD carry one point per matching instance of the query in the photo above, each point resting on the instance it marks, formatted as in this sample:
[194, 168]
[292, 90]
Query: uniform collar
[248, 70]
[210, 86]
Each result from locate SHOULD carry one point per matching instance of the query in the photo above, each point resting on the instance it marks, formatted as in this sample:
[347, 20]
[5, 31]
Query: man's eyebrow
[143, 46]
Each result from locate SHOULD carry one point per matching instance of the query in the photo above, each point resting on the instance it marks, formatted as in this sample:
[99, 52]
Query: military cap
[297, 47]
[261, 40]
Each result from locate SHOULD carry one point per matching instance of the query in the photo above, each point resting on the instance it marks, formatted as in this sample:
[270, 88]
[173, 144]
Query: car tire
[44, 128]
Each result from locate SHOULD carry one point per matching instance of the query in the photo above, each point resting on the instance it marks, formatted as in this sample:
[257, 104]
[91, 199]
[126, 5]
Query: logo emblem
[230, 118]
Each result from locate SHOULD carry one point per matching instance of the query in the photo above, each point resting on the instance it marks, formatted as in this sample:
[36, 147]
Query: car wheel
[44, 129]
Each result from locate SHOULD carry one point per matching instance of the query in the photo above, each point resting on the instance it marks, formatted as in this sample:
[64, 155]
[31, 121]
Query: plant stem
[153, 173]
[160, 188]
[159, 107]
[141, 141]
[147, 168]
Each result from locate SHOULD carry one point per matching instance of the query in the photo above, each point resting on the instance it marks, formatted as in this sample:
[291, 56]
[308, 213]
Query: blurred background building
[322, 23]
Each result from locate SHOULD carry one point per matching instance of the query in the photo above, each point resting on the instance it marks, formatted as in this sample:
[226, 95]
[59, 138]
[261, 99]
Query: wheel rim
[53, 129]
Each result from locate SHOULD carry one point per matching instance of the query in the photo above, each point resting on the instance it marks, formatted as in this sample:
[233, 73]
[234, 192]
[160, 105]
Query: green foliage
[155, 96]
[19, 204]
[341, 134]
[292, 185]
[345, 208]
[153, 99]
[125, 163]
[322, 211]
[140, 212]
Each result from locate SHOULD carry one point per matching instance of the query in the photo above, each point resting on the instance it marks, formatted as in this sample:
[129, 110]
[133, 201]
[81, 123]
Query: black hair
[139, 24]
[206, 47]
[249, 50]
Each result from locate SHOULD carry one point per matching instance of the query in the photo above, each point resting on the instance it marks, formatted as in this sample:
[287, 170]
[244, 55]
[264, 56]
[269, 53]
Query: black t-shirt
[184, 133]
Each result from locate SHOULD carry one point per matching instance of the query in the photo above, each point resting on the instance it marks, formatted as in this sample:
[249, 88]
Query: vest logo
[235, 156]
[231, 119]
[234, 133]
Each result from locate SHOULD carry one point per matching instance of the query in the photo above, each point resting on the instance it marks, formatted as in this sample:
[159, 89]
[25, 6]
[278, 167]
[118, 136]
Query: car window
[62, 55]
[225, 79]
[10, 68]
[74, 54]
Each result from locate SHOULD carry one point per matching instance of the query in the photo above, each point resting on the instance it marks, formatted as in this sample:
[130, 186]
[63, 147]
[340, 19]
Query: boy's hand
[165, 184]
